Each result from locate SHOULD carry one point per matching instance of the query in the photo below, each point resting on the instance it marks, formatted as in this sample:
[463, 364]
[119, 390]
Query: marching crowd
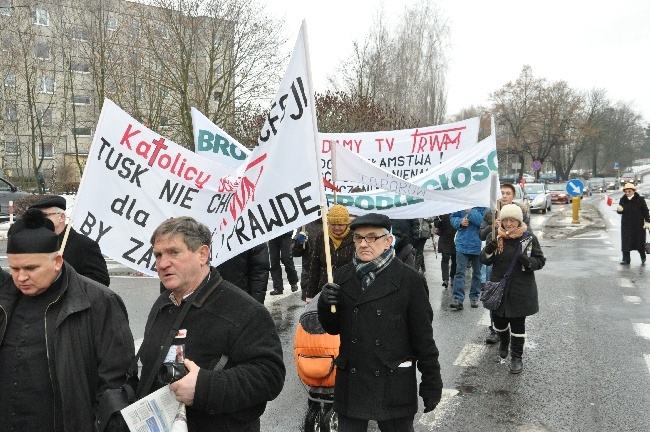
[66, 343]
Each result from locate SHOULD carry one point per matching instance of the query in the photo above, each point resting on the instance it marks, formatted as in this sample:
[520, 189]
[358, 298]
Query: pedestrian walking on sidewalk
[635, 220]
[520, 293]
[280, 252]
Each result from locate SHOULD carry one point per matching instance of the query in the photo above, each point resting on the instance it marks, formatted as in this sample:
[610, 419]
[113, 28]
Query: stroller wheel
[313, 418]
[330, 421]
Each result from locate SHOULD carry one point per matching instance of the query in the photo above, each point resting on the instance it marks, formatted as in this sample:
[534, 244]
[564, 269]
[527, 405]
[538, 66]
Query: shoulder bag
[492, 294]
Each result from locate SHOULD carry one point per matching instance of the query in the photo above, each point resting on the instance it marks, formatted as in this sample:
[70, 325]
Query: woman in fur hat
[520, 293]
[341, 249]
[634, 221]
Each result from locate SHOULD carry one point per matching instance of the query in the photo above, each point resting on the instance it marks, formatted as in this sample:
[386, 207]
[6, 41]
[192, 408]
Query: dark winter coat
[249, 271]
[409, 227]
[85, 256]
[446, 234]
[404, 250]
[381, 327]
[89, 346]
[635, 212]
[318, 265]
[223, 320]
[520, 294]
[304, 250]
[486, 225]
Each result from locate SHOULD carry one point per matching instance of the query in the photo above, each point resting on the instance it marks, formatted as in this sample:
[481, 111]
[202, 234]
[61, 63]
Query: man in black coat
[379, 307]
[249, 271]
[81, 252]
[222, 323]
[64, 339]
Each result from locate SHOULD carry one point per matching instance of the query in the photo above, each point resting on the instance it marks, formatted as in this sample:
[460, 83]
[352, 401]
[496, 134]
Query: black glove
[491, 247]
[429, 404]
[330, 294]
[524, 260]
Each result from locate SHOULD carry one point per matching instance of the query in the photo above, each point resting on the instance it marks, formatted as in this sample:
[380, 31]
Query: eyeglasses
[52, 214]
[369, 239]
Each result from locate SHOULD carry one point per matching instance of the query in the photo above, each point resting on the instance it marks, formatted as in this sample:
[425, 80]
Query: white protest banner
[135, 179]
[352, 167]
[282, 170]
[406, 153]
[466, 175]
[212, 142]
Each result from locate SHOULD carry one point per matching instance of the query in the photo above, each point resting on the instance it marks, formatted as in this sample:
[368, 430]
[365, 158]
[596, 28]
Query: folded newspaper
[157, 412]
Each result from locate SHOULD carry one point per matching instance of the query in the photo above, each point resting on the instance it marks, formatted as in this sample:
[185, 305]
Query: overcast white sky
[588, 43]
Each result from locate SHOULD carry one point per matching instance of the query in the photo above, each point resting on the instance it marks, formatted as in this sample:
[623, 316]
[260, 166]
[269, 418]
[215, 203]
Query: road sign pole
[576, 210]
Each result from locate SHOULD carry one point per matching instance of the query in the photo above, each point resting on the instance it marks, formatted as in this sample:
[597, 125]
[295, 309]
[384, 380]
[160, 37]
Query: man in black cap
[383, 316]
[81, 252]
[64, 339]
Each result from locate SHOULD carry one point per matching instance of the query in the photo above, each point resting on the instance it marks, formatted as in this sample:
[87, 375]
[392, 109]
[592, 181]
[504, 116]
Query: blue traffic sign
[615, 165]
[575, 187]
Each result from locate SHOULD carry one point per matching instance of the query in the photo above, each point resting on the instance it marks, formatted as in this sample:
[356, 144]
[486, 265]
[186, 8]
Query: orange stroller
[314, 352]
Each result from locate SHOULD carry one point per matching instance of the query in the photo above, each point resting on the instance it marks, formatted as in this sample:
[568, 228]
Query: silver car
[540, 197]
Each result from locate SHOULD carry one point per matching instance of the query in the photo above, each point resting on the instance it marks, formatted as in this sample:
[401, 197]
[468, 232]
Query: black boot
[504, 342]
[516, 352]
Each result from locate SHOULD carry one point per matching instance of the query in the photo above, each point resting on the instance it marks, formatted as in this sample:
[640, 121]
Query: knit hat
[511, 211]
[338, 215]
[32, 233]
[629, 186]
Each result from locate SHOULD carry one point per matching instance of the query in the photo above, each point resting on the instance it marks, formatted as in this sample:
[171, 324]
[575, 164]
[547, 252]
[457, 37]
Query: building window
[218, 70]
[136, 60]
[217, 97]
[10, 80]
[42, 50]
[79, 34]
[137, 91]
[45, 150]
[111, 87]
[164, 121]
[46, 85]
[11, 147]
[80, 67]
[81, 132]
[134, 29]
[45, 114]
[5, 7]
[5, 43]
[111, 24]
[10, 112]
[41, 17]
[80, 100]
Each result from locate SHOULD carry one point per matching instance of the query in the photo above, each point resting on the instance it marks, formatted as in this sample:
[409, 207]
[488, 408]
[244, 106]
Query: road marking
[647, 361]
[625, 283]
[642, 330]
[470, 355]
[485, 319]
[448, 402]
[632, 299]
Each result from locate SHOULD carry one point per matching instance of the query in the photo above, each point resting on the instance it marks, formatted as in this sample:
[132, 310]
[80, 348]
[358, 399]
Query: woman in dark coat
[520, 293]
[634, 221]
[341, 250]
[447, 247]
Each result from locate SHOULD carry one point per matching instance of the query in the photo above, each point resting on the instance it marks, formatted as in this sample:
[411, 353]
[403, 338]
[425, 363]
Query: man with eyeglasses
[383, 316]
[81, 252]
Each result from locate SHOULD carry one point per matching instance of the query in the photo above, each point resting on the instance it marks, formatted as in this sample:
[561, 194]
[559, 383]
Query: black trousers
[517, 325]
[626, 255]
[280, 251]
[401, 424]
[448, 273]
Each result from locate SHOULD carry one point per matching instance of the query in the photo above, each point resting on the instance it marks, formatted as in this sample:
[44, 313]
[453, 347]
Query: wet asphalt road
[586, 360]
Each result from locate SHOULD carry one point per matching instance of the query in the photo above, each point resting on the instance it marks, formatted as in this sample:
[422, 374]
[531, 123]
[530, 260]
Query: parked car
[8, 192]
[610, 183]
[629, 177]
[540, 197]
[522, 197]
[559, 195]
[528, 178]
[596, 184]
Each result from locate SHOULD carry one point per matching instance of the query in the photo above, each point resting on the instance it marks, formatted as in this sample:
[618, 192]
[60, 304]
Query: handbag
[647, 246]
[492, 294]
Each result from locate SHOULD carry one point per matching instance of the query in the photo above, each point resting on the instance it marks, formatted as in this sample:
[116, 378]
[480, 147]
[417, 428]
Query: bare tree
[403, 66]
